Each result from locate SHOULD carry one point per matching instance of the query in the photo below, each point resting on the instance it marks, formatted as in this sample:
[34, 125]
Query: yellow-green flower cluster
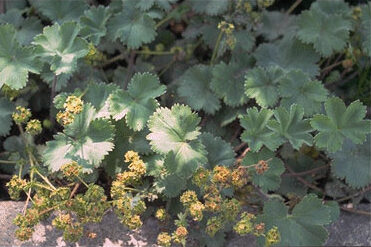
[161, 214]
[230, 209]
[164, 239]
[34, 127]
[94, 56]
[72, 106]
[180, 235]
[21, 115]
[245, 225]
[15, 187]
[188, 197]
[193, 205]
[261, 167]
[201, 177]
[71, 170]
[213, 225]
[265, 3]
[272, 236]
[62, 221]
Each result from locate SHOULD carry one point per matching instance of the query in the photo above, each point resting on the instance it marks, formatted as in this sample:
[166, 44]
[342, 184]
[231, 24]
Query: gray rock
[110, 232]
[349, 230]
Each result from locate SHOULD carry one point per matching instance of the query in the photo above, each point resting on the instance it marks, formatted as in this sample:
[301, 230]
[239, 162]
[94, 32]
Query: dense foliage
[220, 115]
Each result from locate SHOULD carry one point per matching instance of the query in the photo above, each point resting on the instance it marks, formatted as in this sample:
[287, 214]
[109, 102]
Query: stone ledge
[349, 230]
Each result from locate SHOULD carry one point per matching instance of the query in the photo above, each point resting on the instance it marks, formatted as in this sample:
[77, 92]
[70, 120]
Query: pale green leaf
[87, 140]
[15, 61]
[209, 7]
[60, 47]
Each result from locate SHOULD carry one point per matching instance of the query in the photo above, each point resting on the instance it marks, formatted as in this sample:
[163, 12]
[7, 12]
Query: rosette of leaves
[87, 141]
[339, 123]
[60, 46]
[138, 102]
[304, 226]
[16, 61]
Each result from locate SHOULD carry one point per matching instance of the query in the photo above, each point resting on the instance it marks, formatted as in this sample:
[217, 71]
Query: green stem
[82, 181]
[160, 53]
[43, 186]
[7, 162]
[166, 67]
[167, 18]
[215, 51]
[45, 179]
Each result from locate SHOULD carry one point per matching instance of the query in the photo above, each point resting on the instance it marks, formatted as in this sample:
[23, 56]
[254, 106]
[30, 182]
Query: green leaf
[195, 89]
[60, 10]
[304, 227]
[256, 133]
[275, 24]
[291, 126]
[87, 140]
[328, 34]
[332, 7]
[6, 110]
[297, 87]
[227, 82]
[209, 7]
[145, 5]
[177, 130]
[133, 27]
[261, 84]
[353, 163]
[138, 102]
[340, 122]
[60, 47]
[15, 61]
[219, 152]
[94, 22]
[366, 29]
[26, 28]
[172, 185]
[270, 180]
[98, 94]
[289, 54]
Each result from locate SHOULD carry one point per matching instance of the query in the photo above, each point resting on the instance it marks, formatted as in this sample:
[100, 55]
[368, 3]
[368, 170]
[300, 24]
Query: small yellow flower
[161, 214]
[221, 175]
[131, 156]
[164, 239]
[272, 236]
[34, 127]
[188, 197]
[196, 210]
[21, 115]
[73, 104]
